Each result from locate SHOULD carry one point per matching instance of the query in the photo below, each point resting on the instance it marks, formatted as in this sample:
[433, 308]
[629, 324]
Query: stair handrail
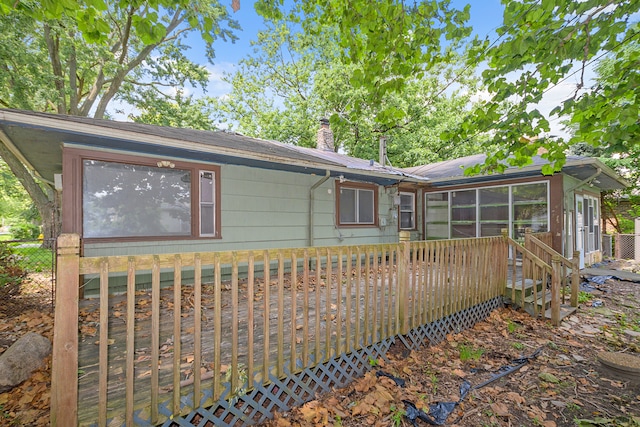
[573, 264]
[554, 270]
[529, 271]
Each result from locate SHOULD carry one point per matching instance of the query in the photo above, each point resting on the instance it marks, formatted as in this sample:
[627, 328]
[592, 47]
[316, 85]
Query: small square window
[357, 204]
[407, 209]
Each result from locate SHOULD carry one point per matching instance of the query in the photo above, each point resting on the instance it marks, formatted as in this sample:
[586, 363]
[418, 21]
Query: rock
[578, 358]
[632, 333]
[21, 359]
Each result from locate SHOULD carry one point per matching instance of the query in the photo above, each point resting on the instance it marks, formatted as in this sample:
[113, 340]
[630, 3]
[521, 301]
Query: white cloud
[217, 87]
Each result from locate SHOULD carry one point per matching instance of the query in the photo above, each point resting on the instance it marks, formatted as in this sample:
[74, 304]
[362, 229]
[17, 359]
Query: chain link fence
[607, 245]
[625, 246]
[27, 276]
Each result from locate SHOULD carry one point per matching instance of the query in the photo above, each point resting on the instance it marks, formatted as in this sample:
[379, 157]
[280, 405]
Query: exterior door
[580, 229]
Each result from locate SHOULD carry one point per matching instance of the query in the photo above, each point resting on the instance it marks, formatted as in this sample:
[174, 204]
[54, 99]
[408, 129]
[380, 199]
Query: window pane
[494, 210]
[406, 220]
[529, 208]
[207, 220]
[122, 200]
[347, 206]
[406, 202]
[437, 215]
[206, 187]
[463, 213]
[365, 207]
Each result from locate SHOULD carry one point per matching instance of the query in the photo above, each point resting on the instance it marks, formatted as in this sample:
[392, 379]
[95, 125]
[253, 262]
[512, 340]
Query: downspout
[311, 200]
[566, 209]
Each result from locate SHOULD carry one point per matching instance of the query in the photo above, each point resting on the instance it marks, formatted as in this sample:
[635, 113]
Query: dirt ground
[565, 385]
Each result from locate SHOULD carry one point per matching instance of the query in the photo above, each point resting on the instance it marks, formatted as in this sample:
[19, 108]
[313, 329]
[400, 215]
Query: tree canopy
[78, 57]
[294, 77]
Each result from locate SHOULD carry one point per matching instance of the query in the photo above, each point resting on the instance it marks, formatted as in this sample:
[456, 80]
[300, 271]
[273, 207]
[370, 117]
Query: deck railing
[569, 269]
[266, 313]
[540, 275]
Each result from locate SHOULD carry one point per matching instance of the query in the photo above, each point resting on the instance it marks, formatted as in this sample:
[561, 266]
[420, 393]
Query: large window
[357, 204]
[126, 197]
[407, 210]
[487, 211]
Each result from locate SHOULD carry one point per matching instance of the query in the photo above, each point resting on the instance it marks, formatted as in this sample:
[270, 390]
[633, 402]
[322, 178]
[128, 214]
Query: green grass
[33, 259]
[470, 353]
[584, 297]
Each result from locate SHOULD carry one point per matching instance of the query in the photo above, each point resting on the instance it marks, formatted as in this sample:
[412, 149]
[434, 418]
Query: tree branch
[53, 47]
[118, 79]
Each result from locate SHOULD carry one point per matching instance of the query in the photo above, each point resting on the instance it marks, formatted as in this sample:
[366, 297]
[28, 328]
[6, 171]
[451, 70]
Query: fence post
[575, 278]
[616, 246]
[64, 365]
[556, 280]
[403, 281]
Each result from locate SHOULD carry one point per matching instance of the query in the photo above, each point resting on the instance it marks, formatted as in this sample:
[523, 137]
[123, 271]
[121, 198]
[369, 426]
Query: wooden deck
[146, 356]
[322, 340]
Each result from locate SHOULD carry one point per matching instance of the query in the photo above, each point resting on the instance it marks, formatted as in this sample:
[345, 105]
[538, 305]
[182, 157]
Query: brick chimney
[325, 136]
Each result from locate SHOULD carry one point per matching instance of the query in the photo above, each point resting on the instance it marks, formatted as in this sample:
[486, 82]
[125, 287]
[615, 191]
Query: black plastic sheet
[440, 411]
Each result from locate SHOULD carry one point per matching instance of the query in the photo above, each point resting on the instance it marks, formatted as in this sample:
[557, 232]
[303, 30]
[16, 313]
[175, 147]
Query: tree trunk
[45, 200]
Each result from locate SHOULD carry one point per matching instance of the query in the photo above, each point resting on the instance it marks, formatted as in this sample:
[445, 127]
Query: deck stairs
[531, 298]
[539, 278]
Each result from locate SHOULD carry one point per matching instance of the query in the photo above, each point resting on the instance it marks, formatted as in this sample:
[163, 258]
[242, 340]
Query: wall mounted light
[166, 164]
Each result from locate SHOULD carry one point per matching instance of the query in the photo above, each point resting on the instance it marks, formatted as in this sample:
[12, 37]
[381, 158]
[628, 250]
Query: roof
[451, 172]
[37, 139]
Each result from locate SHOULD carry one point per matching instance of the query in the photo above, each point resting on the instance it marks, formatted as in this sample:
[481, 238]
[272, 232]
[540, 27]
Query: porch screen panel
[530, 208]
[124, 200]
[463, 213]
[436, 215]
[494, 210]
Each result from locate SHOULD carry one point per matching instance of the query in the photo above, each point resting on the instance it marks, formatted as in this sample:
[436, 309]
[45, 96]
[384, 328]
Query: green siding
[268, 209]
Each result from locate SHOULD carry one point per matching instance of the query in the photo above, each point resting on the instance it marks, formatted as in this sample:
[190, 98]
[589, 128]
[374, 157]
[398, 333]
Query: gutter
[311, 203]
[566, 193]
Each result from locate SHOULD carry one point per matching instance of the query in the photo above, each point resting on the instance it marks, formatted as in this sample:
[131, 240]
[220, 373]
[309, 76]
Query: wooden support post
[616, 246]
[575, 278]
[64, 365]
[403, 286]
[556, 281]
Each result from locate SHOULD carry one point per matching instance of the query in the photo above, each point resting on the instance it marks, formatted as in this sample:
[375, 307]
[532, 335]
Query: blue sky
[486, 16]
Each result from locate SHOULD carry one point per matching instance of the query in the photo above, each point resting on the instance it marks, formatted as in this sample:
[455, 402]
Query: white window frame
[412, 210]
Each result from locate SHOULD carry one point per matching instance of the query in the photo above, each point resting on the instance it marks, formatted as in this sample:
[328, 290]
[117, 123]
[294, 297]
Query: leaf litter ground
[564, 386]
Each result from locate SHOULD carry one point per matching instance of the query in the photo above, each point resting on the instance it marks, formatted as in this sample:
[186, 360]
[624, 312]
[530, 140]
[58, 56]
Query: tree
[543, 44]
[293, 78]
[77, 57]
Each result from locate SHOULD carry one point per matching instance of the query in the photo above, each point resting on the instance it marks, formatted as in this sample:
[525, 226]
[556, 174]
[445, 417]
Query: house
[566, 203]
[131, 189]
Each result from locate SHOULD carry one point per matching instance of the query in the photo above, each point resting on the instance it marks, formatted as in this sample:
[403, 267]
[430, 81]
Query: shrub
[25, 231]
[11, 274]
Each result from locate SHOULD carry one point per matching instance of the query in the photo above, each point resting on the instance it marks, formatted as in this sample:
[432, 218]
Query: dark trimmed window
[357, 204]
[131, 198]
